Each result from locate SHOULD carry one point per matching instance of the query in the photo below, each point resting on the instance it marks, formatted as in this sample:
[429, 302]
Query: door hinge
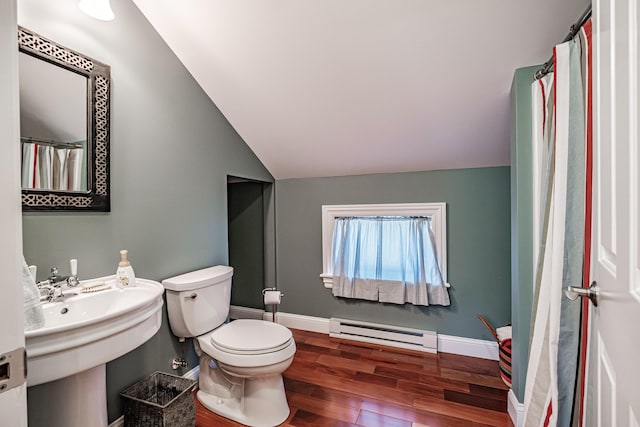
[13, 369]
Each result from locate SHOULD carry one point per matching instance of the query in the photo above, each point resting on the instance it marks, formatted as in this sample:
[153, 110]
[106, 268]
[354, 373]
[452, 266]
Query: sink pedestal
[78, 400]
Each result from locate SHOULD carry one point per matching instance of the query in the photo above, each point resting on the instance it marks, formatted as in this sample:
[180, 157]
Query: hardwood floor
[343, 383]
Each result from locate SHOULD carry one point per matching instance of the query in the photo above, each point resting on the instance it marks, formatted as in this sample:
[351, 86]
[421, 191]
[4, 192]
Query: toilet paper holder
[273, 304]
[265, 290]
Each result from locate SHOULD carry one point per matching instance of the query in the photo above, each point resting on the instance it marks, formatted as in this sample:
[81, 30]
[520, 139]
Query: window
[389, 253]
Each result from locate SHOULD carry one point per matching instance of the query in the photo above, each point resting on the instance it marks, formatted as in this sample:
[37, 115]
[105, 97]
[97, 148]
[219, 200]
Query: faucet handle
[72, 280]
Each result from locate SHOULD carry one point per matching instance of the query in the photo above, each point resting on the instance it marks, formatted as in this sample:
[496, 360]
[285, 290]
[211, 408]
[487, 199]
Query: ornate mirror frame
[98, 75]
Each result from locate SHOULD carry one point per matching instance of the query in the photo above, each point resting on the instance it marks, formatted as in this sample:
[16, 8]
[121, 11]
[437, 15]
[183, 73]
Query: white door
[614, 368]
[13, 402]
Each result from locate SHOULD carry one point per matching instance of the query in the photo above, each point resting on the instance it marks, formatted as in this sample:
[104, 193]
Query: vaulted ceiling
[346, 87]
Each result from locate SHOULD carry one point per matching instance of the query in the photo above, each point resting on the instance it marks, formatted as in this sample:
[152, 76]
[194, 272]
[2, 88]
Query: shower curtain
[562, 132]
[45, 167]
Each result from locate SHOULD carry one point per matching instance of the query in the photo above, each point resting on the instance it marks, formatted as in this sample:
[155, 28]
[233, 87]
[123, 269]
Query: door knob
[593, 293]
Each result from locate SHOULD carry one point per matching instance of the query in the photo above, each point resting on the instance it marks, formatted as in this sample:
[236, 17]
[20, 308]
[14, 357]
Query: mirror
[64, 127]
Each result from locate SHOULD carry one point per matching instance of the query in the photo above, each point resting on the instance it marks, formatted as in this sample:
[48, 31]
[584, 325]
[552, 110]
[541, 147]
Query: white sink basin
[85, 330]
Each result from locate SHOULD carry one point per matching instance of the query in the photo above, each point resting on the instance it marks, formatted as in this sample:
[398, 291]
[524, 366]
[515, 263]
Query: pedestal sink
[82, 332]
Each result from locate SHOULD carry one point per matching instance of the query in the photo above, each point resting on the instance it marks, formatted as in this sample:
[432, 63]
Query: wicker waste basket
[503, 338]
[160, 400]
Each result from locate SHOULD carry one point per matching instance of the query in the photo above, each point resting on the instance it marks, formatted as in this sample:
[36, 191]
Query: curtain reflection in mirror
[49, 167]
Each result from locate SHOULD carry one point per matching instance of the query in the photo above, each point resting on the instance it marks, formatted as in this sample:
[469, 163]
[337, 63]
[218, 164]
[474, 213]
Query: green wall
[478, 246]
[521, 224]
[171, 152]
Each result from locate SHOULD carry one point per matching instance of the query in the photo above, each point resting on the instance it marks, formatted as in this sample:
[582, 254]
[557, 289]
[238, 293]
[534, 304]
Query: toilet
[241, 362]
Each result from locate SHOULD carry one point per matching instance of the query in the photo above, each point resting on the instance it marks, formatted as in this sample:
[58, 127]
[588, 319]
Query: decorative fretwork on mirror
[64, 127]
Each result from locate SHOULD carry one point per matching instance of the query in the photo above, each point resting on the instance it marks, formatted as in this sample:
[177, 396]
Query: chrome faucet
[71, 280]
[54, 282]
[55, 279]
[54, 292]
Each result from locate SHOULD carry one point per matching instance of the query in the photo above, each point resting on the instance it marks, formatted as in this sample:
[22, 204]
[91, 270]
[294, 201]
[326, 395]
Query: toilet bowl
[241, 362]
[250, 357]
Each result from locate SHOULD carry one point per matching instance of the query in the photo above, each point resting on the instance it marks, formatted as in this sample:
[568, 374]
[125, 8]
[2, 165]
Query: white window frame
[436, 211]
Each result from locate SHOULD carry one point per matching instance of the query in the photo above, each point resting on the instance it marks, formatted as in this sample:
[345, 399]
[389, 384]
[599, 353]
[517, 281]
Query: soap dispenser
[124, 275]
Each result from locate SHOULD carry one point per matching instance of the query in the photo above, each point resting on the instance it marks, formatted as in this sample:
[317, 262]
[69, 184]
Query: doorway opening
[251, 239]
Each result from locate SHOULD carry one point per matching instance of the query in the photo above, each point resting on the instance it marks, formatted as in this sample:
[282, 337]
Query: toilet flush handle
[193, 296]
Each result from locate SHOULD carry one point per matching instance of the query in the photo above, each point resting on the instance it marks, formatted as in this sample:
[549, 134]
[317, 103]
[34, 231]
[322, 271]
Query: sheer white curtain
[387, 259]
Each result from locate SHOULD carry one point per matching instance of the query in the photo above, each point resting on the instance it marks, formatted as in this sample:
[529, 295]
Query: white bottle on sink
[125, 276]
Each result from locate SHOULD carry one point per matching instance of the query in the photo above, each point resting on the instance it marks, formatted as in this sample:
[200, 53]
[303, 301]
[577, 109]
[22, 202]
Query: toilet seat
[248, 343]
[250, 337]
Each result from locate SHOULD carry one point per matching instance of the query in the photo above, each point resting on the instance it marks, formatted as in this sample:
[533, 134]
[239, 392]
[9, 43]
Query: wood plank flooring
[340, 383]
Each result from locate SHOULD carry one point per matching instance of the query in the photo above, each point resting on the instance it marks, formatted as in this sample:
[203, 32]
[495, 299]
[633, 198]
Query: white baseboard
[468, 347]
[192, 374]
[446, 343]
[515, 409]
[299, 321]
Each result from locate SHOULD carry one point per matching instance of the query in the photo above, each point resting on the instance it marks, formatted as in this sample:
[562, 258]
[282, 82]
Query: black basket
[160, 400]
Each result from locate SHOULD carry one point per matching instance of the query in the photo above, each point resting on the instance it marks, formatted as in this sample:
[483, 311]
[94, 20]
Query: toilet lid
[248, 336]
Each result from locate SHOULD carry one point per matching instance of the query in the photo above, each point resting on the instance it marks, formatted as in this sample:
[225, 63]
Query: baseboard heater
[393, 336]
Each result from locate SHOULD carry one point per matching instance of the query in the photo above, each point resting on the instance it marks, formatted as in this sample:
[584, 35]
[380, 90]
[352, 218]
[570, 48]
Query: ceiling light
[99, 9]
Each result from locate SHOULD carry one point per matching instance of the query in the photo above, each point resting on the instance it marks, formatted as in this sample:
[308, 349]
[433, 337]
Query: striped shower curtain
[562, 141]
[45, 167]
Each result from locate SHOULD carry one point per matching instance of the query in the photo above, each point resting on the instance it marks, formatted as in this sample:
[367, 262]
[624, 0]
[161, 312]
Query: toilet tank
[198, 302]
